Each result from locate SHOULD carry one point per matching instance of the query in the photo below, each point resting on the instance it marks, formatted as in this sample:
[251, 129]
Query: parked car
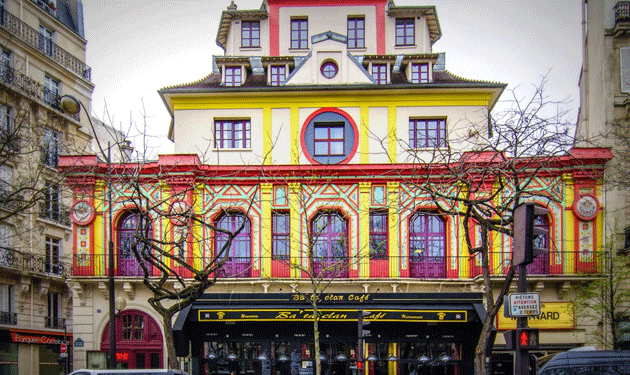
[588, 362]
[128, 372]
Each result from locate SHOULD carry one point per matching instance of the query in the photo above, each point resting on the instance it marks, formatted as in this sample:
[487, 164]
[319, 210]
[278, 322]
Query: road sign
[63, 348]
[522, 305]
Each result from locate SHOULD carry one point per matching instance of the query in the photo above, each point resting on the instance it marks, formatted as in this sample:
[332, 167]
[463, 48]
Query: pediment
[329, 50]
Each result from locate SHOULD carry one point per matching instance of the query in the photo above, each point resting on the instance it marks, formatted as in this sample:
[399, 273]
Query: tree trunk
[318, 364]
[167, 322]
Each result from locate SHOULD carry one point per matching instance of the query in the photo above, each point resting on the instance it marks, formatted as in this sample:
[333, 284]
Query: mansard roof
[212, 82]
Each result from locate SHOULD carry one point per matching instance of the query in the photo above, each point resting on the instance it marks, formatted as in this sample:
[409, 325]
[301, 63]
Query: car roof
[589, 358]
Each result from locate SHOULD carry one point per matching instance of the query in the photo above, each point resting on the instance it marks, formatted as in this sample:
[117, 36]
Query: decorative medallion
[179, 213]
[82, 213]
[586, 208]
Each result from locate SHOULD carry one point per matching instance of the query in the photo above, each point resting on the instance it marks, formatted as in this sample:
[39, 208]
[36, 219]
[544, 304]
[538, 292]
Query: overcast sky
[136, 47]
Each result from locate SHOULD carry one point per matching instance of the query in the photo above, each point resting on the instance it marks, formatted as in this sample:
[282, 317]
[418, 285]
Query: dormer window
[250, 34]
[405, 32]
[232, 76]
[379, 73]
[356, 32]
[299, 33]
[420, 73]
[277, 74]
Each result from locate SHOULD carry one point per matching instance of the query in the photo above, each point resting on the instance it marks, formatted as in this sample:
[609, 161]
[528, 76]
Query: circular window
[329, 69]
[329, 136]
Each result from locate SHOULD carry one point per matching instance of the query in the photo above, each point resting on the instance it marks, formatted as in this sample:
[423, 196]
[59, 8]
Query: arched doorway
[139, 341]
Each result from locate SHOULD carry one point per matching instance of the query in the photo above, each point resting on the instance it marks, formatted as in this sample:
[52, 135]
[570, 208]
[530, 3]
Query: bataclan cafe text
[272, 334]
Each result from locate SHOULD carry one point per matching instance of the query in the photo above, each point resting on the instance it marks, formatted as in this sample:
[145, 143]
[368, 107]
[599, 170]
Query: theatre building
[313, 131]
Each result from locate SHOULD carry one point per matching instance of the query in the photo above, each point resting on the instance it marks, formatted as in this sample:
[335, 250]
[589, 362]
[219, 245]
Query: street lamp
[71, 105]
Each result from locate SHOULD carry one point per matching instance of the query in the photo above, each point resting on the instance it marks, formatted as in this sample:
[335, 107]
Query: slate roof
[213, 81]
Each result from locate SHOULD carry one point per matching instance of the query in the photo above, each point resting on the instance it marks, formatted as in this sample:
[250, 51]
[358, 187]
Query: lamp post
[71, 105]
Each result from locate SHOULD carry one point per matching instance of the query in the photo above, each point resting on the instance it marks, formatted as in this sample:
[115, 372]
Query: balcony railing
[41, 42]
[55, 322]
[8, 318]
[59, 216]
[30, 87]
[16, 260]
[433, 267]
[622, 11]
[11, 202]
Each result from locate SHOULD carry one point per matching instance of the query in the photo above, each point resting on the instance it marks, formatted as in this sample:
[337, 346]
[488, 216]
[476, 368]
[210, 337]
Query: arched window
[329, 234]
[130, 229]
[239, 254]
[540, 264]
[427, 245]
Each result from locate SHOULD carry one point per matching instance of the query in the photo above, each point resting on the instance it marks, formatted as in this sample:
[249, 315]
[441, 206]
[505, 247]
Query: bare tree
[320, 259]
[485, 174]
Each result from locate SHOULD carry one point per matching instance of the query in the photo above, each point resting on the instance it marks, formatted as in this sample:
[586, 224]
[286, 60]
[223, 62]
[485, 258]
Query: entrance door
[139, 342]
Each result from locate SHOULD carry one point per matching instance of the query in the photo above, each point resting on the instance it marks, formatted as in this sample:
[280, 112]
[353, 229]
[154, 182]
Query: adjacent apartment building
[604, 96]
[603, 120]
[312, 131]
[42, 46]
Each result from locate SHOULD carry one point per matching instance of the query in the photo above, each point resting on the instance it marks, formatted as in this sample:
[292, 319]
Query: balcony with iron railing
[622, 11]
[57, 323]
[427, 267]
[54, 214]
[18, 28]
[8, 318]
[17, 261]
[31, 88]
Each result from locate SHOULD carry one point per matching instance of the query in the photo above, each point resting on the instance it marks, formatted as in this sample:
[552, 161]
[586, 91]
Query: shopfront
[39, 351]
[272, 334]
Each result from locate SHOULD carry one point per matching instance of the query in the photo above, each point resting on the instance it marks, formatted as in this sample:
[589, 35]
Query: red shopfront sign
[38, 337]
[122, 356]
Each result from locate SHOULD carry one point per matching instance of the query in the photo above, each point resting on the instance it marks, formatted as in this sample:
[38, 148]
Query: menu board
[265, 367]
[295, 363]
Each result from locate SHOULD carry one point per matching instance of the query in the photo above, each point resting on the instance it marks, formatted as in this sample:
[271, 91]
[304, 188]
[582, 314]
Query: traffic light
[527, 338]
[362, 323]
[527, 242]
[362, 332]
[510, 340]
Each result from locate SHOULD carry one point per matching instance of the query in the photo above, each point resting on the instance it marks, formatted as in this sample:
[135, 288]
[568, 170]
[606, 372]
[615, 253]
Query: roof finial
[390, 4]
[232, 6]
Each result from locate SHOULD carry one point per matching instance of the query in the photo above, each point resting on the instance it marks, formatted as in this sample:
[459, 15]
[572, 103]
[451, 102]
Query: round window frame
[326, 64]
[353, 148]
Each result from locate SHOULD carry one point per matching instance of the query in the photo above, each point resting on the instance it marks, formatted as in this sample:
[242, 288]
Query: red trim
[347, 117]
[274, 18]
[81, 168]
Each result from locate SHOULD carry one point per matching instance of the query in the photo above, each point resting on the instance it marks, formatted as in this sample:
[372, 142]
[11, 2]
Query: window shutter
[625, 69]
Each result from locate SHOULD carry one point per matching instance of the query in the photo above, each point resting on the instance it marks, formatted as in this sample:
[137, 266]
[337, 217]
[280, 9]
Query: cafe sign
[553, 315]
[338, 315]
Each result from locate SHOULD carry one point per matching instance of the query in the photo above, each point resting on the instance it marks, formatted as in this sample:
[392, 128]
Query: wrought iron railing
[55, 322]
[622, 11]
[8, 318]
[32, 88]
[37, 40]
[57, 215]
[11, 202]
[427, 267]
[16, 260]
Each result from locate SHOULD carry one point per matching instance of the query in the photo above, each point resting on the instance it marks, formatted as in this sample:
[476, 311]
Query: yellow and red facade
[343, 136]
